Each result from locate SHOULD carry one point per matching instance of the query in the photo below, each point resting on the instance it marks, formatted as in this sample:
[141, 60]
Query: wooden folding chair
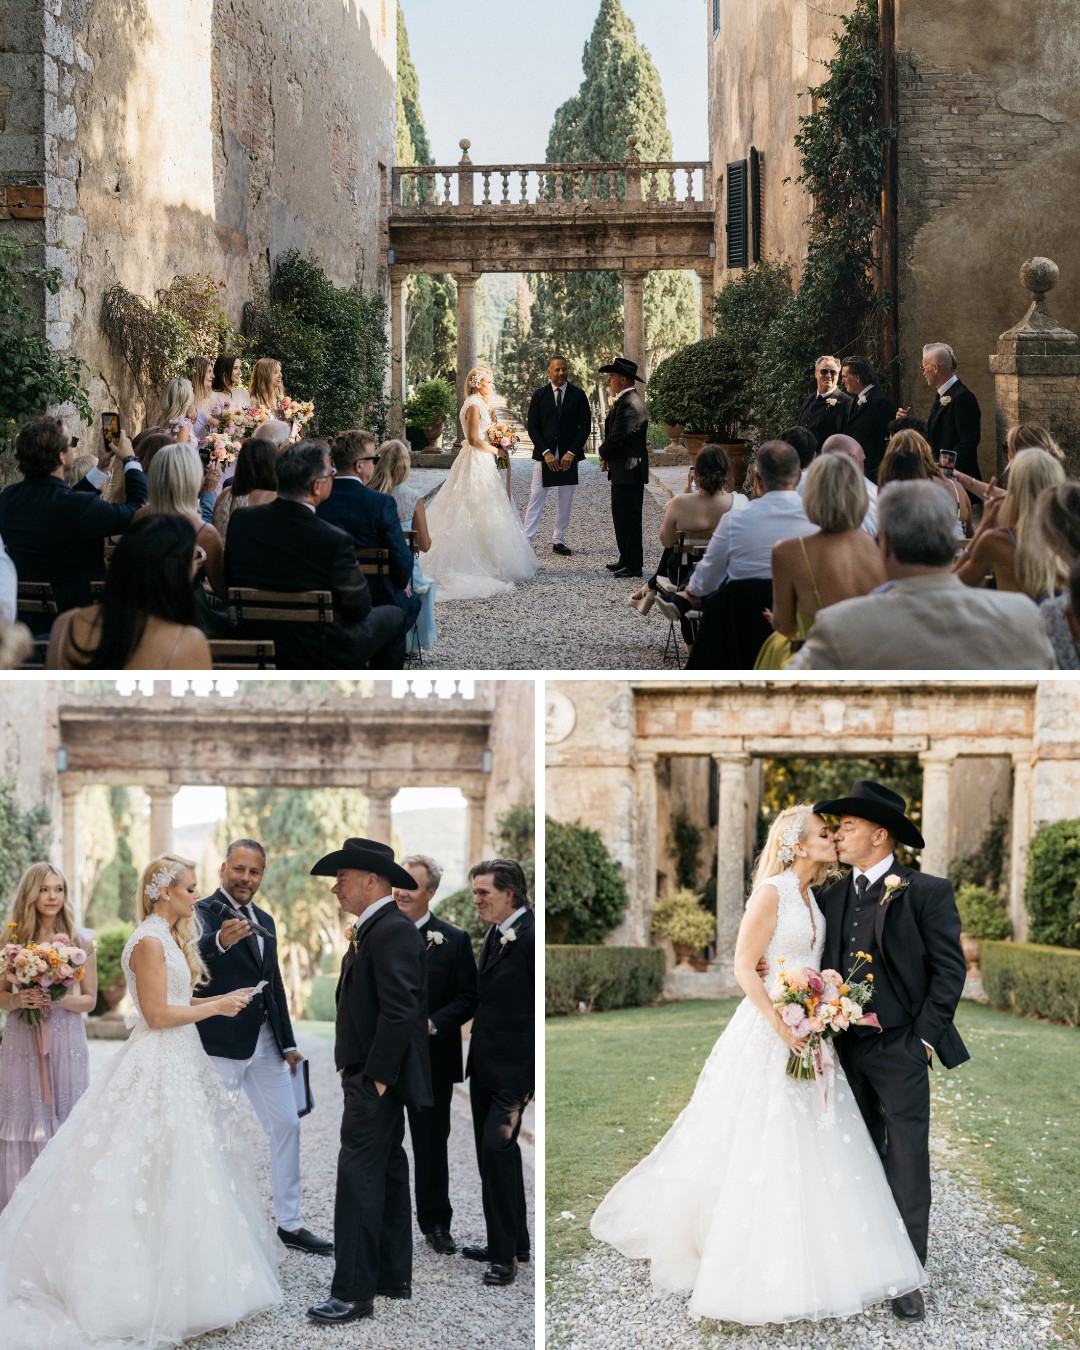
[248, 604]
[246, 654]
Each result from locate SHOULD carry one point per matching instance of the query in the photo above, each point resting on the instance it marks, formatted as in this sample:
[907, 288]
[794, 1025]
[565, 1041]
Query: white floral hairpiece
[788, 840]
[165, 876]
[476, 382]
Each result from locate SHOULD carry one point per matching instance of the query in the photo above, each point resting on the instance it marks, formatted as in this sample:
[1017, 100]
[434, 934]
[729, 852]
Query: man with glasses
[825, 412]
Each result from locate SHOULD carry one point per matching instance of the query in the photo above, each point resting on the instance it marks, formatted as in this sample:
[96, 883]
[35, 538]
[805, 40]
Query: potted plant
[112, 986]
[681, 918]
[426, 411]
[707, 389]
[984, 916]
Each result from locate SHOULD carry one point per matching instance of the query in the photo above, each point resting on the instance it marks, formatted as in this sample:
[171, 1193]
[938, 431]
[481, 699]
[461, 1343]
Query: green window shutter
[737, 232]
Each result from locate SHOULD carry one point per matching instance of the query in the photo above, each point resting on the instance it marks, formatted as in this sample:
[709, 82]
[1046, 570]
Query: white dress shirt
[510, 920]
[9, 587]
[948, 385]
[246, 912]
[372, 909]
[741, 545]
[98, 477]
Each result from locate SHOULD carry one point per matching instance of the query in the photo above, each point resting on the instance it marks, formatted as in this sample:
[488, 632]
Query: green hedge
[320, 1004]
[1052, 895]
[1031, 979]
[601, 978]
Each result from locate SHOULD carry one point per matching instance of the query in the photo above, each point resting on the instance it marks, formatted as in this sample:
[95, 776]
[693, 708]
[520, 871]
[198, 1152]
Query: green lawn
[325, 1030]
[616, 1081]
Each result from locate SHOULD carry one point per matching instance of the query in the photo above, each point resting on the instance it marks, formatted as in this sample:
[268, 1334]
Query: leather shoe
[303, 1241]
[499, 1274]
[909, 1307]
[394, 1290]
[483, 1254]
[561, 550]
[615, 567]
[626, 572]
[440, 1239]
[335, 1311]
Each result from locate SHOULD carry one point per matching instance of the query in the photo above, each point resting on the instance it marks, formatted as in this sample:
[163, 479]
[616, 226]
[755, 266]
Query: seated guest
[80, 466]
[1007, 547]
[55, 533]
[1061, 624]
[908, 457]
[825, 412]
[850, 448]
[275, 431]
[175, 479]
[254, 482]
[1058, 516]
[870, 413]
[805, 444]
[284, 546]
[839, 562]
[228, 385]
[9, 587]
[391, 472]
[148, 442]
[924, 618]
[1025, 436]
[904, 421]
[266, 389]
[147, 619]
[16, 643]
[371, 518]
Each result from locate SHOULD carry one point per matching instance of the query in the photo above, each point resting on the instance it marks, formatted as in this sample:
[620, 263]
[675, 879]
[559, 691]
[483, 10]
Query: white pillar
[70, 847]
[730, 855]
[397, 354]
[633, 284]
[466, 336]
[379, 813]
[1023, 774]
[477, 804]
[643, 895]
[936, 812]
[161, 822]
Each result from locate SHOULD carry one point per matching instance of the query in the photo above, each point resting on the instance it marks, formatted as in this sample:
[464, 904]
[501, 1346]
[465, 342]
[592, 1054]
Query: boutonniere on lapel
[893, 884]
[861, 401]
[509, 936]
[354, 937]
[435, 940]
[832, 402]
[945, 400]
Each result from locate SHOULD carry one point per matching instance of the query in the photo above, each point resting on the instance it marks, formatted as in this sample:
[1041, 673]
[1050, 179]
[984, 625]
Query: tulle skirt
[759, 1203]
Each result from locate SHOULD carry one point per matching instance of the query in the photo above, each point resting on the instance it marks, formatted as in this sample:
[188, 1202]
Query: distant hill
[440, 833]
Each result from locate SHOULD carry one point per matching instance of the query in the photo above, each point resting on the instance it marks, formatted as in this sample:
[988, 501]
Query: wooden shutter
[755, 205]
[737, 242]
[715, 17]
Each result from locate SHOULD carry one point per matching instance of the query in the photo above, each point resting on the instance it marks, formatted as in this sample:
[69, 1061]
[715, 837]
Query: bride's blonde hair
[160, 873]
[473, 379]
[787, 829]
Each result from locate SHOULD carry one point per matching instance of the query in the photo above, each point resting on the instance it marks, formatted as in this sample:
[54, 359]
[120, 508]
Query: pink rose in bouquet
[820, 1005]
[54, 965]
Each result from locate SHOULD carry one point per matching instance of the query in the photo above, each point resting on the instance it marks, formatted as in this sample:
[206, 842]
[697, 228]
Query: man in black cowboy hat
[907, 922]
[625, 455]
[381, 1052]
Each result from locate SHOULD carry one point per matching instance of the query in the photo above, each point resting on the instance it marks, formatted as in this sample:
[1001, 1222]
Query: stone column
[643, 893]
[379, 813]
[730, 853]
[937, 791]
[1022, 802]
[705, 275]
[476, 798]
[161, 823]
[466, 337]
[70, 846]
[633, 289]
[397, 354]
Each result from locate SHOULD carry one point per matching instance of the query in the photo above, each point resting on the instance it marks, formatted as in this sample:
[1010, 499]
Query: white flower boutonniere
[832, 402]
[945, 400]
[509, 936]
[893, 884]
[436, 939]
[861, 401]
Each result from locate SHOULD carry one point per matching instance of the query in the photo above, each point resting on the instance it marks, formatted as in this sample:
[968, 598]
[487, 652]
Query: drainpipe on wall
[890, 244]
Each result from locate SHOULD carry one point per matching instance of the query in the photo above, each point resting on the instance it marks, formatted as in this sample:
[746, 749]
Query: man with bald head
[849, 446]
[955, 420]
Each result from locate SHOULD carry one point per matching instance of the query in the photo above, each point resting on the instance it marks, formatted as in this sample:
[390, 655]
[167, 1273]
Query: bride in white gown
[759, 1203]
[139, 1224]
[478, 547]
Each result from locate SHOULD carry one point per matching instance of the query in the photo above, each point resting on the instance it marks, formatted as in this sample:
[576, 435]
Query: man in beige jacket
[924, 617]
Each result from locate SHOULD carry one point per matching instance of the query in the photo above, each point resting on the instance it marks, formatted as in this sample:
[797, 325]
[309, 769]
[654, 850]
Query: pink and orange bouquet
[502, 436]
[221, 447]
[820, 1004]
[238, 422]
[53, 966]
[296, 413]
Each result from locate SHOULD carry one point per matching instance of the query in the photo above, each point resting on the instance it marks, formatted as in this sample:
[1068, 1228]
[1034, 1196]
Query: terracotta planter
[738, 452]
[674, 435]
[695, 442]
[970, 947]
[684, 955]
[114, 997]
[434, 433]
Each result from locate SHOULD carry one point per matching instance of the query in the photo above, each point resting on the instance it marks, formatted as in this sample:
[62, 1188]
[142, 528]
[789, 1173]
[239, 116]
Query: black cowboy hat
[621, 366]
[877, 803]
[366, 856]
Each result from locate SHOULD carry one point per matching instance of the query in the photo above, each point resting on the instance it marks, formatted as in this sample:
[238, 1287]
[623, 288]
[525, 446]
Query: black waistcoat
[859, 922]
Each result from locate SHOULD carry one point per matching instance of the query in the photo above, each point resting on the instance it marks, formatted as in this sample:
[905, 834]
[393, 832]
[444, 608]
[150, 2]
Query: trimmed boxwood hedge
[601, 978]
[1031, 979]
[321, 1006]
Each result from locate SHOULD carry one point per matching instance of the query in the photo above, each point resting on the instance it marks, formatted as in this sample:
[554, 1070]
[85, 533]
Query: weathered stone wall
[183, 136]
[29, 736]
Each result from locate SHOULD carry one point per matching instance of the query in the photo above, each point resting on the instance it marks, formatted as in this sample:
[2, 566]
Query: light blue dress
[423, 634]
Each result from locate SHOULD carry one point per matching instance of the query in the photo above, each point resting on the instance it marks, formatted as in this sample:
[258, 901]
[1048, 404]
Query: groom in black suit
[380, 1048]
[907, 922]
[560, 420]
[625, 455]
[501, 1061]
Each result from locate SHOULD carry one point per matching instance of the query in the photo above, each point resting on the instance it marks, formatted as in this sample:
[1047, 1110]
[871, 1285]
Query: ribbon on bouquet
[43, 1045]
[823, 1059]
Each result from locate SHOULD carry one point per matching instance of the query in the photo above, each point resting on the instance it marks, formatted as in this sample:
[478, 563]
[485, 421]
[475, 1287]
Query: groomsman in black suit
[871, 412]
[256, 1049]
[560, 420]
[380, 1048]
[625, 455]
[908, 924]
[501, 1062]
[825, 411]
[955, 420]
[451, 975]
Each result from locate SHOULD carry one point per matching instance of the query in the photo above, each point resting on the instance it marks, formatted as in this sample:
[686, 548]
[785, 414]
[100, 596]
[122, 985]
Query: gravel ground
[449, 1307]
[573, 615]
[978, 1297]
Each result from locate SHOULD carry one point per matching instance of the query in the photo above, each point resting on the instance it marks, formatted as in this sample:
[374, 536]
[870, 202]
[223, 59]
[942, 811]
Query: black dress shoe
[627, 572]
[335, 1311]
[483, 1254]
[909, 1307]
[303, 1241]
[562, 550]
[500, 1274]
[615, 567]
[440, 1239]
[394, 1290]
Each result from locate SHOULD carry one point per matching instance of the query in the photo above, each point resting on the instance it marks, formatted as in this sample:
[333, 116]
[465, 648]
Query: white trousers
[267, 1081]
[536, 505]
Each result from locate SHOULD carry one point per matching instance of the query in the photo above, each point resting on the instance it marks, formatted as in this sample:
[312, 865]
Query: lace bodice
[475, 401]
[178, 992]
[799, 937]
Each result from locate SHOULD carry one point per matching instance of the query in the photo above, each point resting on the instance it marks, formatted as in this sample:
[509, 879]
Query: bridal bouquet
[501, 435]
[55, 966]
[297, 414]
[819, 1004]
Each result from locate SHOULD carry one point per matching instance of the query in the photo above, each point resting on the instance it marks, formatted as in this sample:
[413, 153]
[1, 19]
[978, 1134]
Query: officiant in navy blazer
[451, 972]
[907, 922]
[559, 423]
[256, 1049]
[501, 1064]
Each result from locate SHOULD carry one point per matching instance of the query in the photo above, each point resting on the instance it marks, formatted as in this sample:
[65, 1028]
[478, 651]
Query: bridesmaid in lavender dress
[30, 1111]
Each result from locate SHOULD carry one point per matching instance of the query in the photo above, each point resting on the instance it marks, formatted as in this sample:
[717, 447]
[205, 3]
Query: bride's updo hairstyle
[473, 379]
[161, 872]
[786, 830]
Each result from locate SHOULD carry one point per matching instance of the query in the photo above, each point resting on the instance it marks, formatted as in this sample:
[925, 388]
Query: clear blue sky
[496, 70]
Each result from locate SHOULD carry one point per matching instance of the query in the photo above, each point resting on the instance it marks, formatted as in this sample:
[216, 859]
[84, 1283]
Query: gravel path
[573, 615]
[978, 1298]
[449, 1307]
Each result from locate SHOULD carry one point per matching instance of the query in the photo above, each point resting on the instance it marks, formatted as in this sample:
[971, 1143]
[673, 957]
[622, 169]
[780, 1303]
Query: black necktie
[861, 884]
[558, 400]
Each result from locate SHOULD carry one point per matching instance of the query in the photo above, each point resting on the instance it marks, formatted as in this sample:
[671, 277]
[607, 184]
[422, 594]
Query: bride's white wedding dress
[138, 1224]
[757, 1203]
[478, 547]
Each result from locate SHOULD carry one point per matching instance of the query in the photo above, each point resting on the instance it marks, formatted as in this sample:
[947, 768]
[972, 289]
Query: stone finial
[1039, 275]
[465, 143]
[631, 144]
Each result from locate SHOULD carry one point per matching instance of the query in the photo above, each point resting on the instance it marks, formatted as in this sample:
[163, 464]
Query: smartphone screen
[947, 459]
[110, 426]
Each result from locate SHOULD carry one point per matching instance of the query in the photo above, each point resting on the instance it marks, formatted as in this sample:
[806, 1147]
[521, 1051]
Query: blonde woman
[1023, 436]
[173, 483]
[391, 472]
[167, 1237]
[478, 546]
[178, 411]
[700, 1208]
[1008, 546]
[267, 388]
[40, 1084]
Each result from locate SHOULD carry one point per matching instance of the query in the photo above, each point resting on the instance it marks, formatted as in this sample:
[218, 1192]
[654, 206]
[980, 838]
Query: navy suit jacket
[372, 520]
